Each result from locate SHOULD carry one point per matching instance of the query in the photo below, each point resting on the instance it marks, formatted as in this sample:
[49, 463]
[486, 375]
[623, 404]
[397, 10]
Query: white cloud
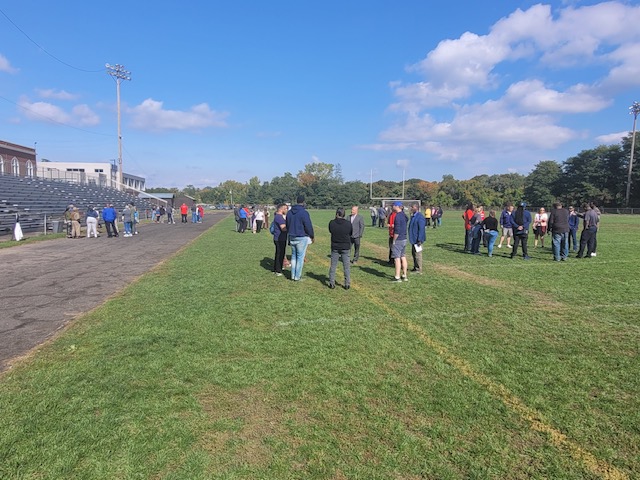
[56, 94]
[5, 65]
[533, 96]
[151, 116]
[501, 93]
[80, 115]
[612, 138]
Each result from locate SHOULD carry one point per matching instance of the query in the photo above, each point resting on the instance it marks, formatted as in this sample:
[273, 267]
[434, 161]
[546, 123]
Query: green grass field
[212, 367]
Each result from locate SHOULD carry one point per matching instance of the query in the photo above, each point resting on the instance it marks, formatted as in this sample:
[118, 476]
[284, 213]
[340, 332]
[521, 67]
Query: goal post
[388, 202]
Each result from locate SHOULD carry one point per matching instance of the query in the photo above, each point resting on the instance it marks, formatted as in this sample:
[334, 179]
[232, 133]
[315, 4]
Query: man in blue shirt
[242, 216]
[399, 243]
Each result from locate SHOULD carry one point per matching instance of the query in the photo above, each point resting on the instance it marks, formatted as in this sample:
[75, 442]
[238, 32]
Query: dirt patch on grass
[244, 426]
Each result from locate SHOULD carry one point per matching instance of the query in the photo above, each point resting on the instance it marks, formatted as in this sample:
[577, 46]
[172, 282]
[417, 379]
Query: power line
[44, 50]
[55, 121]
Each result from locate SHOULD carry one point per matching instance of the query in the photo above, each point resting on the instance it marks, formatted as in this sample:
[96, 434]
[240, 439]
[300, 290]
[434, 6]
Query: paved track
[46, 284]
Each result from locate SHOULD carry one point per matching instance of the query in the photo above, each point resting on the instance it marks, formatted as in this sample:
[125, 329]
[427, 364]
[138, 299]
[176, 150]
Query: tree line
[598, 175]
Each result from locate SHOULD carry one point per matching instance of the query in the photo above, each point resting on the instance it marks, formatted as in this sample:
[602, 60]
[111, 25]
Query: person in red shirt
[184, 210]
[200, 213]
[391, 218]
[467, 216]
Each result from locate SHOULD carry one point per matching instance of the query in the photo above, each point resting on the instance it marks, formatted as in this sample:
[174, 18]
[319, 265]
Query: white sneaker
[499, 246]
[593, 254]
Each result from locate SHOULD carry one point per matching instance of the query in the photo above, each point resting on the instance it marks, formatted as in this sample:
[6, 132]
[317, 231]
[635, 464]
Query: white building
[100, 173]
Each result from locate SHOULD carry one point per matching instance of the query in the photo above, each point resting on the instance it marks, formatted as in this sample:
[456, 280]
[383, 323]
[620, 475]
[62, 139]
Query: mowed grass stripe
[532, 417]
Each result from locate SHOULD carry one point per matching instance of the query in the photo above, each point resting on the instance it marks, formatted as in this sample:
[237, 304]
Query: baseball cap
[523, 204]
[397, 204]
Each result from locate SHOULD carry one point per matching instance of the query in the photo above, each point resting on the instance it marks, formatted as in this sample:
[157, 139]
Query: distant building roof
[163, 195]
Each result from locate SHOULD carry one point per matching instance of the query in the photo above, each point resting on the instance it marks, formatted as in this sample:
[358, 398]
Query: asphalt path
[45, 285]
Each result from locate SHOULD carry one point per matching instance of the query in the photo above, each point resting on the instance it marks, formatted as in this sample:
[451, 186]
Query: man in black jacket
[559, 227]
[340, 230]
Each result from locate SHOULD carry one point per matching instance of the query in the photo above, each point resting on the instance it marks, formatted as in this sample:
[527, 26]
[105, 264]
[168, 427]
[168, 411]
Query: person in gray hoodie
[127, 218]
[300, 234]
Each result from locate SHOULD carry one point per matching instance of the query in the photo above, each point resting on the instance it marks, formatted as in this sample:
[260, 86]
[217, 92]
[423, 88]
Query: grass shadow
[378, 261]
[322, 278]
[452, 247]
[267, 263]
[373, 271]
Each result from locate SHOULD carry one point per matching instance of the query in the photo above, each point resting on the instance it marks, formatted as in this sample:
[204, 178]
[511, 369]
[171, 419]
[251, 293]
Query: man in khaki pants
[75, 223]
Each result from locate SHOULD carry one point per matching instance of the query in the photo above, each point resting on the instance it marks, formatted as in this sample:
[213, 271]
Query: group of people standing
[257, 217]
[197, 214]
[562, 224]
[294, 227]
[109, 216]
[380, 215]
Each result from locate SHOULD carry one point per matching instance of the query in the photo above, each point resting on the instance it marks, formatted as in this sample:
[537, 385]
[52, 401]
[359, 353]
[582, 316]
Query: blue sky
[232, 90]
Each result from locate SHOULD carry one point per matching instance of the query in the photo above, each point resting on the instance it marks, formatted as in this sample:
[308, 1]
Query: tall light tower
[634, 110]
[118, 73]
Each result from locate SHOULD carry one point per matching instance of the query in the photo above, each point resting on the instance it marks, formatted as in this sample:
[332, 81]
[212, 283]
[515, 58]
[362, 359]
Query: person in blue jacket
[109, 216]
[417, 236]
[507, 227]
[520, 221]
[574, 223]
[300, 234]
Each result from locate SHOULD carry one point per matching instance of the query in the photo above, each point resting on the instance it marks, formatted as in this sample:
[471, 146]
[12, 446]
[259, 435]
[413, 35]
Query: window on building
[99, 170]
[75, 169]
[15, 166]
[1, 165]
[29, 169]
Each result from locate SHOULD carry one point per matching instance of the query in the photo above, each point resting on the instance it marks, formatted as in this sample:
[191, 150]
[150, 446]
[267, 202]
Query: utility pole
[634, 110]
[118, 73]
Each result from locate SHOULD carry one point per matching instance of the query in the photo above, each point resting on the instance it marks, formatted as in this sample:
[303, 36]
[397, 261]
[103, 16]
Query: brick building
[17, 160]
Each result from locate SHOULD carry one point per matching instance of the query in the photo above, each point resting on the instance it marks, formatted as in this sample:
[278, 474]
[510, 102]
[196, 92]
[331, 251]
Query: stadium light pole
[118, 73]
[634, 110]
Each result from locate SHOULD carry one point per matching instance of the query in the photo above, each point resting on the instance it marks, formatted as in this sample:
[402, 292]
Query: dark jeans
[184, 217]
[587, 239]
[111, 229]
[390, 246]
[373, 220]
[475, 244]
[356, 253]
[517, 240]
[258, 225]
[281, 248]
[243, 225]
[344, 256]
[468, 237]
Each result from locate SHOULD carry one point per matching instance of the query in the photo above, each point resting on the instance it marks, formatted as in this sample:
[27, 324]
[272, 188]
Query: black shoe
[332, 286]
[347, 287]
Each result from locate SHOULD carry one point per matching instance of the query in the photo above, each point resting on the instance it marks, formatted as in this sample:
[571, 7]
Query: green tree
[543, 184]
[283, 189]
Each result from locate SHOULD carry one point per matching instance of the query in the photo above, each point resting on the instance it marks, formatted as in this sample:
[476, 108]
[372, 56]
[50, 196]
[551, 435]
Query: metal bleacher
[35, 199]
